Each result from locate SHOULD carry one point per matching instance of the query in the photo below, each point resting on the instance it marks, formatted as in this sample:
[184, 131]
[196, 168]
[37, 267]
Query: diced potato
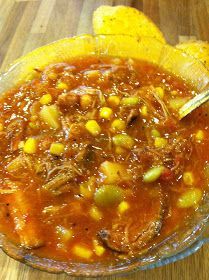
[92, 74]
[188, 178]
[93, 127]
[118, 125]
[46, 99]
[155, 133]
[30, 146]
[33, 118]
[160, 142]
[64, 233]
[124, 20]
[130, 101]
[123, 140]
[57, 149]
[114, 172]
[190, 198]
[113, 100]
[108, 195]
[153, 174]
[98, 249]
[61, 85]
[87, 188]
[123, 207]
[52, 75]
[144, 111]
[160, 92]
[86, 101]
[105, 113]
[50, 115]
[199, 135]
[82, 252]
[95, 213]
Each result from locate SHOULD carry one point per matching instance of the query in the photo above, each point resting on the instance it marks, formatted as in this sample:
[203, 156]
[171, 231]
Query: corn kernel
[87, 188]
[188, 178]
[155, 133]
[98, 249]
[190, 198]
[61, 85]
[123, 206]
[30, 146]
[1, 127]
[64, 233]
[130, 101]
[160, 142]
[46, 99]
[105, 113]
[123, 140]
[52, 75]
[33, 118]
[21, 145]
[113, 100]
[93, 127]
[118, 125]
[95, 213]
[119, 150]
[57, 149]
[86, 101]
[34, 125]
[82, 252]
[160, 92]
[199, 136]
[144, 111]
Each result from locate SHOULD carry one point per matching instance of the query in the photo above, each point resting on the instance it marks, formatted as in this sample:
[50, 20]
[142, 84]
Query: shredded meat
[67, 100]
[15, 131]
[132, 234]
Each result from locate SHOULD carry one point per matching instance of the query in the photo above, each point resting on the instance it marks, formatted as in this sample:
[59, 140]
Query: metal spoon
[193, 103]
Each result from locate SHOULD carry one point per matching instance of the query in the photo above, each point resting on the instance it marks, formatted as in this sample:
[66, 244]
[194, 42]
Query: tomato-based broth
[95, 164]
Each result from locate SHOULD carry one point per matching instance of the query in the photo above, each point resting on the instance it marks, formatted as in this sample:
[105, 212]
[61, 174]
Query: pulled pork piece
[131, 234]
[15, 132]
[67, 100]
[132, 117]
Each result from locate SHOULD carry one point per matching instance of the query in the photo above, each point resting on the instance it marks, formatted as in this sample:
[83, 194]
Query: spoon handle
[193, 103]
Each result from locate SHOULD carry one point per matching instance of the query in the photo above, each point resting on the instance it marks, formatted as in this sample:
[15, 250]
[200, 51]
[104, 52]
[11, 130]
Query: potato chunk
[114, 172]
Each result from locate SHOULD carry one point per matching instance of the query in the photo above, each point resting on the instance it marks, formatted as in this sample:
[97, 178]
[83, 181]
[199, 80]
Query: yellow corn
[21, 145]
[189, 198]
[123, 140]
[123, 206]
[30, 146]
[118, 125]
[160, 92]
[98, 249]
[52, 75]
[93, 127]
[1, 127]
[95, 213]
[105, 113]
[82, 252]
[63, 233]
[33, 118]
[130, 101]
[199, 135]
[119, 150]
[160, 142]
[61, 85]
[144, 111]
[34, 125]
[87, 188]
[113, 100]
[57, 149]
[46, 99]
[188, 178]
[86, 101]
[155, 133]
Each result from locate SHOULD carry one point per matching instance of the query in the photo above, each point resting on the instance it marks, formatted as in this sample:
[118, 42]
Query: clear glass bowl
[180, 244]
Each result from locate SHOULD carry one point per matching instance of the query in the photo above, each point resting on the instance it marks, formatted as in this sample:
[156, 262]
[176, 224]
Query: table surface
[27, 24]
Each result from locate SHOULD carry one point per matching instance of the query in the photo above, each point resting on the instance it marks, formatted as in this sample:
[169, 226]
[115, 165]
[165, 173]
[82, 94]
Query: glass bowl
[179, 244]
